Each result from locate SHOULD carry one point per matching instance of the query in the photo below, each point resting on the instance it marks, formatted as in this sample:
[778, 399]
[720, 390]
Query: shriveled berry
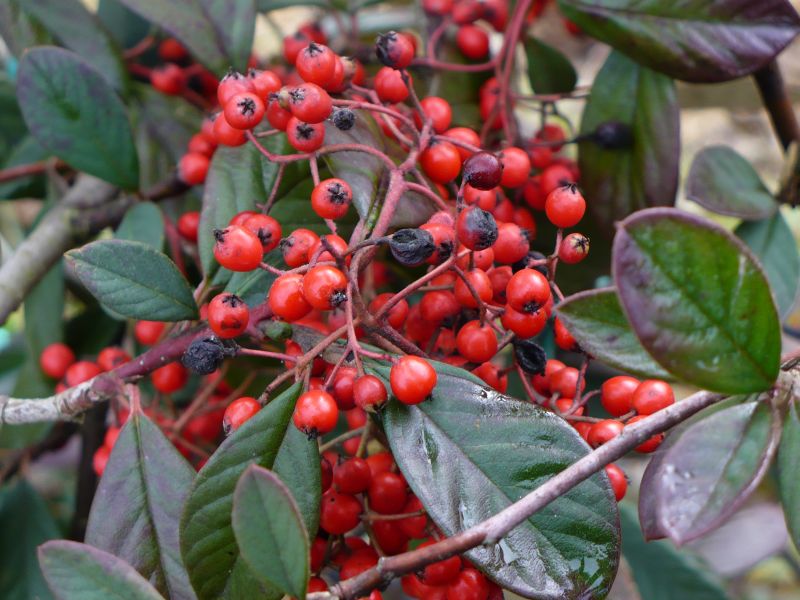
[483, 171]
[411, 247]
[394, 50]
[477, 229]
[530, 356]
[205, 356]
[344, 119]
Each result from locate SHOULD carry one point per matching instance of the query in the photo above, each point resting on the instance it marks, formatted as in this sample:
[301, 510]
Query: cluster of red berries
[58, 361]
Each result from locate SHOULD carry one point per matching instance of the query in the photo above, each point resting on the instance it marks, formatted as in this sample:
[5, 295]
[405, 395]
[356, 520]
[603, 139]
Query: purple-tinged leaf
[722, 181]
[595, 319]
[635, 163]
[698, 301]
[73, 112]
[219, 33]
[270, 532]
[695, 40]
[708, 470]
[549, 71]
[137, 508]
[76, 571]
[788, 469]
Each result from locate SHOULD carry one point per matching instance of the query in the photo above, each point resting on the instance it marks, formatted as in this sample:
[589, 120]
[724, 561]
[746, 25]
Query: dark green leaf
[79, 572]
[74, 113]
[296, 466]
[788, 468]
[708, 470]
[549, 71]
[773, 243]
[596, 320]
[207, 539]
[697, 300]
[722, 181]
[137, 506]
[126, 26]
[218, 32]
[142, 223]
[44, 311]
[270, 532]
[643, 171]
[470, 452]
[25, 152]
[661, 571]
[237, 179]
[25, 523]
[134, 280]
[699, 40]
[80, 31]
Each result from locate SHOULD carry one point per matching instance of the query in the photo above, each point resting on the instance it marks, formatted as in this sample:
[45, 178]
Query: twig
[778, 104]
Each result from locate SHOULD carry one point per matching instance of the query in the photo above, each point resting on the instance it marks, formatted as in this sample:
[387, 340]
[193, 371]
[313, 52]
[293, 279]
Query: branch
[87, 208]
[778, 104]
[495, 528]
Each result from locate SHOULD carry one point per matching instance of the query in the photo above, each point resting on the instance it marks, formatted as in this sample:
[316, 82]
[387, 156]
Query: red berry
[228, 315]
[476, 342]
[481, 285]
[266, 229]
[437, 7]
[112, 357]
[244, 111]
[264, 83]
[310, 103]
[604, 431]
[553, 177]
[651, 443]
[277, 116]
[397, 314]
[192, 168]
[339, 513]
[438, 110]
[80, 372]
[412, 379]
[352, 476]
[369, 392]
[169, 378]
[331, 198]
[239, 411]
[227, 135]
[563, 337]
[466, 136]
[524, 325]
[395, 50]
[324, 287]
[358, 562]
[171, 49]
[651, 396]
[483, 171]
[148, 333]
[296, 247]
[512, 243]
[293, 44]
[317, 584]
[528, 291]
[233, 83]
[390, 537]
[438, 305]
[533, 193]
[169, 79]
[413, 527]
[286, 299]
[390, 87]
[380, 462]
[443, 571]
[305, 137]
[240, 218]
[316, 63]
[469, 585]
[516, 167]
[237, 249]
[387, 493]
[574, 248]
[56, 359]
[473, 42]
[565, 382]
[616, 394]
[441, 162]
[188, 224]
[619, 483]
[315, 413]
[565, 206]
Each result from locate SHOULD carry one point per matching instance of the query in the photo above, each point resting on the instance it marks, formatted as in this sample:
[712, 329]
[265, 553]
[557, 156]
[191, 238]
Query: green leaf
[641, 171]
[698, 40]
[74, 113]
[722, 181]
[708, 470]
[170, 121]
[295, 465]
[270, 532]
[661, 571]
[126, 26]
[25, 152]
[470, 452]
[142, 223]
[25, 523]
[206, 533]
[44, 311]
[218, 32]
[237, 179]
[698, 301]
[596, 320]
[134, 280]
[268, 5]
[549, 71]
[788, 467]
[137, 506]
[772, 241]
[76, 571]
[80, 31]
